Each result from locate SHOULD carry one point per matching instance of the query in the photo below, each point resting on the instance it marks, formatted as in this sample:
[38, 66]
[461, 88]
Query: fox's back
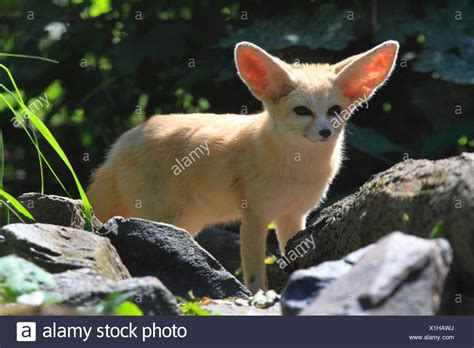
[194, 157]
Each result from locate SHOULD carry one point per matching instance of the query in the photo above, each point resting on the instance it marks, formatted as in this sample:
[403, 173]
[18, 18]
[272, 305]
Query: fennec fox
[199, 169]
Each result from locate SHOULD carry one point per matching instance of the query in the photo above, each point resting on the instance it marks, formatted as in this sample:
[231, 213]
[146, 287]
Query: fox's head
[314, 100]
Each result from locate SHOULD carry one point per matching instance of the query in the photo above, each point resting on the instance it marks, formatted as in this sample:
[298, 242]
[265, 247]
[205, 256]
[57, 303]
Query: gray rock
[58, 249]
[305, 285]
[355, 256]
[49, 310]
[239, 307]
[171, 254]
[56, 210]
[224, 245]
[85, 287]
[401, 275]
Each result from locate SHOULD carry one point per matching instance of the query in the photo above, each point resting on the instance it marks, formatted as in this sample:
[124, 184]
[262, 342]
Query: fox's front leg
[253, 233]
[287, 227]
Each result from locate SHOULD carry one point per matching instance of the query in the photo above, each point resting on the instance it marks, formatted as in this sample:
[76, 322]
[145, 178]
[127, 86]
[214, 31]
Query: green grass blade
[21, 121]
[15, 55]
[54, 144]
[5, 207]
[40, 161]
[7, 198]
[2, 159]
[6, 214]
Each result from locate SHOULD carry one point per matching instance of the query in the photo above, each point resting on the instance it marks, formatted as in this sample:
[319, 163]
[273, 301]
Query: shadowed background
[121, 62]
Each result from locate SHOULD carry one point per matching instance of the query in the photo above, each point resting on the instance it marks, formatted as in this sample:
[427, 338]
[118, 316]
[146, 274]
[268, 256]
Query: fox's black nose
[325, 133]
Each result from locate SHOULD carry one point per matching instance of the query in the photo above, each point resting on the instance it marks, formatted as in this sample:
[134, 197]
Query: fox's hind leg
[287, 227]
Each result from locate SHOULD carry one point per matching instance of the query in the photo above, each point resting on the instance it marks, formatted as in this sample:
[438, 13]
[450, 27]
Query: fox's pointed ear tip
[240, 48]
[244, 44]
[392, 43]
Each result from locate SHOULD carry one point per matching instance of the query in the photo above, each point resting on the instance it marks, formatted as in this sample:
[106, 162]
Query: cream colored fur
[273, 165]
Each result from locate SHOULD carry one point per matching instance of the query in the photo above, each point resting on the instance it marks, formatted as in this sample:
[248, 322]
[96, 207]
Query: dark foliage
[123, 61]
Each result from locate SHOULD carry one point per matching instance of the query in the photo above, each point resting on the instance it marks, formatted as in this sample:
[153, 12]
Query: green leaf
[128, 308]
[203, 104]
[117, 304]
[421, 38]
[238, 272]
[54, 91]
[449, 45]
[437, 230]
[387, 107]
[193, 308]
[462, 141]
[449, 66]
[45, 132]
[445, 41]
[328, 27]
[443, 127]
[9, 199]
[373, 143]
[99, 7]
[19, 277]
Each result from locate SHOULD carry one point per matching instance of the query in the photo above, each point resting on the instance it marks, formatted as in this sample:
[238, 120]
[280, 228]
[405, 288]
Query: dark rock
[58, 249]
[86, 288]
[457, 299]
[171, 254]
[224, 245]
[305, 285]
[401, 275]
[56, 210]
[412, 196]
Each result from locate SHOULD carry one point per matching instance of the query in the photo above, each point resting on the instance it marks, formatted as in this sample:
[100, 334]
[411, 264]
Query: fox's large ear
[361, 75]
[266, 76]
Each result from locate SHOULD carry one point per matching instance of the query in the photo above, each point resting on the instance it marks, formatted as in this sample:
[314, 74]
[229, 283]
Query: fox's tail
[104, 195]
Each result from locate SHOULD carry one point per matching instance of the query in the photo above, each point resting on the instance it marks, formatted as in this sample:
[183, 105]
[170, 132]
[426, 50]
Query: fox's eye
[334, 110]
[302, 111]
